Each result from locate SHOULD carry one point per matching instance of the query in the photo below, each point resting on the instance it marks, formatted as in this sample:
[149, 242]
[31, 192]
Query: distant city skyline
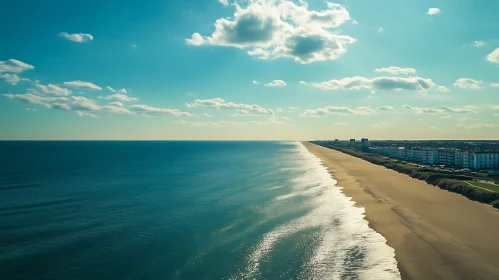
[249, 70]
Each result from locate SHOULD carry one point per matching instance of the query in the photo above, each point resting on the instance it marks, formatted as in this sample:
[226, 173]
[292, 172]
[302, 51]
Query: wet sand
[436, 234]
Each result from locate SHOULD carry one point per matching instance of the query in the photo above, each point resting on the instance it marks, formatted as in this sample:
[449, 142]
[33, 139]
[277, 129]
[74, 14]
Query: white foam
[343, 230]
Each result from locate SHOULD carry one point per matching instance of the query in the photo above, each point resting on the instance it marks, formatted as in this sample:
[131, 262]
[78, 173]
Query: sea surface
[179, 210]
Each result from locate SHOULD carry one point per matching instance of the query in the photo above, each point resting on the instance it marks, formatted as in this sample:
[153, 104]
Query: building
[479, 161]
[352, 142]
[364, 144]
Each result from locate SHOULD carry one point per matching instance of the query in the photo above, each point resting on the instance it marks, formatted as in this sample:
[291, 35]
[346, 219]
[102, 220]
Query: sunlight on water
[346, 246]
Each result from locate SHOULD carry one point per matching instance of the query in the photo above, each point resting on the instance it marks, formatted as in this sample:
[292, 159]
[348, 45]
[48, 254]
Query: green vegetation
[450, 181]
[492, 187]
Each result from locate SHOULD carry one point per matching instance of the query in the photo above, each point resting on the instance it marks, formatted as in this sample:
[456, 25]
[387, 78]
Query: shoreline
[436, 234]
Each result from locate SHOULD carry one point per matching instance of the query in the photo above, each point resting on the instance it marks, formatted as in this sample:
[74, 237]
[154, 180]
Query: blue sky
[262, 69]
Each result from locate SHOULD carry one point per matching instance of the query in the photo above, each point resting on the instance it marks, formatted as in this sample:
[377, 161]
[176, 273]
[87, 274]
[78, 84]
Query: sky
[249, 69]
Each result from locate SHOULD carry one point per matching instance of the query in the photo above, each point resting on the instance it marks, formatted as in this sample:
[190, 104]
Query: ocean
[179, 210]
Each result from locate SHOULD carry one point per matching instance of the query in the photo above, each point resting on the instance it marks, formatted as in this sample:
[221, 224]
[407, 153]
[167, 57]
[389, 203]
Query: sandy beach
[436, 234]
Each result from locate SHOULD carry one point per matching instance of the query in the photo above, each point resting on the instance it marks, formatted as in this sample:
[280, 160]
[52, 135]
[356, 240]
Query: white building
[484, 160]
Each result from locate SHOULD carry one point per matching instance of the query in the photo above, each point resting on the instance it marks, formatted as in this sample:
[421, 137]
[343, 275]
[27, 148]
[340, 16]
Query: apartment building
[441, 156]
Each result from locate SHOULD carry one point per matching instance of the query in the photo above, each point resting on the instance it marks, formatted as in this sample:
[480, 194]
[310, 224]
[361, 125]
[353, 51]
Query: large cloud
[378, 83]
[321, 112]
[14, 66]
[433, 11]
[273, 29]
[85, 105]
[494, 56]
[219, 103]
[83, 85]
[77, 37]
[468, 83]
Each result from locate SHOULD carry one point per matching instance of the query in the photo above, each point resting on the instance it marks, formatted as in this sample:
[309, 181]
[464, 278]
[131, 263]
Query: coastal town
[457, 155]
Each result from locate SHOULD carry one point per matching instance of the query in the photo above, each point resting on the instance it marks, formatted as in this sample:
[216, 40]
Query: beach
[435, 234]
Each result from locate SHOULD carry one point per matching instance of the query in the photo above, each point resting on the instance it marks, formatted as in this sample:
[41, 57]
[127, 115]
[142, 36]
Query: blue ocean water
[179, 210]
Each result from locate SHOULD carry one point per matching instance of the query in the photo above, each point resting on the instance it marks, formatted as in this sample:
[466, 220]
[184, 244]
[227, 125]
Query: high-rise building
[352, 142]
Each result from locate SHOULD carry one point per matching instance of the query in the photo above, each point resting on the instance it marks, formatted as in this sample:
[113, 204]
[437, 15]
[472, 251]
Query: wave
[346, 247]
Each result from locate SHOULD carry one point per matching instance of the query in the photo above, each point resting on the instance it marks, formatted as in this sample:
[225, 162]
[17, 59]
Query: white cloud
[433, 11]
[274, 29]
[381, 125]
[494, 85]
[123, 90]
[259, 53]
[14, 66]
[478, 44]
[395, 70]
[441, 110]
[51, 89]
[219, 103]
[380, 29]
[494, 56]
[321, 112]
[457, 110]
[292, 108]
[479, 125]
[110, 89]
[378, 83]
[386, 108]
[443, 89]
[83, 85]
[120, 97]
[117, 104]
[77, 37]
[279, 110]
[255, 82]
[149, 110]
[224, 2]
[468, 83]
[207, 115]
[276, 83]
[12, 79]
[84, 114]
[198, 124]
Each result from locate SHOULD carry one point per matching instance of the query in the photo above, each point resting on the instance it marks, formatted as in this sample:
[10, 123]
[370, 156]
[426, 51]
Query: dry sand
[436, 234]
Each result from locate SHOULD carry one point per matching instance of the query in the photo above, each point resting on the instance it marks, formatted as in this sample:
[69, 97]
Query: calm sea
[179, 210]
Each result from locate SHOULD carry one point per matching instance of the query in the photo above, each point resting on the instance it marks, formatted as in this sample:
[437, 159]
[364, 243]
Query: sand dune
[436, 234]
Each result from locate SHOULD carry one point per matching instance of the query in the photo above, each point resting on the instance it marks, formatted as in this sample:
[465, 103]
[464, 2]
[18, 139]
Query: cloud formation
[386, 108]
[433, 11]
[120, 97]
[219, 103]
[51, 89]
[149, 110]
[378, 83]
[478, 44]
[441, 110]
[342, 110]
[14, 66]
[276, 83]
[12, 79]
[468, 83]
[274, 29]
[395, 70]
[76, 37]
[224, 2]
[494, 56]
[83, 85]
